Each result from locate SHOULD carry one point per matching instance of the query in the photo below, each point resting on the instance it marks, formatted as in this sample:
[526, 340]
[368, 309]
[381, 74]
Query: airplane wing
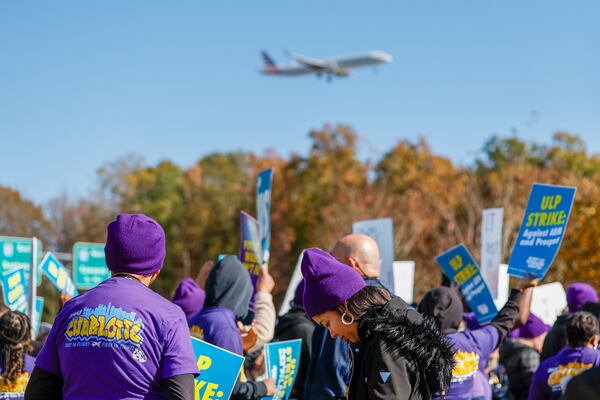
[311, 62]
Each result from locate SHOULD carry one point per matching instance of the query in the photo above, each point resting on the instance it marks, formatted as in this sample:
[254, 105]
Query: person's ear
[355, 266]
[154, 276]
[595, 340]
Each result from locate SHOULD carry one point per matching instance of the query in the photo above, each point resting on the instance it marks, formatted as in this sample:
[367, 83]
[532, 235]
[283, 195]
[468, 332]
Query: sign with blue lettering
[542, 230]
[14, 290]
[58, 274]
[282, 363]
[264, 181]
[219, 370]
[460, 267]
[37, 321]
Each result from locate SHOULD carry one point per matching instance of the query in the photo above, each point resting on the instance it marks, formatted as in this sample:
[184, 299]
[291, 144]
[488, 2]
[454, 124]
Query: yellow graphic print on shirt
[14, 390]
[560, 375]
[197, 332]
[466, 366]
[104, 324]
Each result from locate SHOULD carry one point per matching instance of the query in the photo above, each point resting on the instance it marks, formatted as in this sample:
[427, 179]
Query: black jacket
[521, 362]
[295, 325]
[584, 386]
[556, 338]
[401, 355]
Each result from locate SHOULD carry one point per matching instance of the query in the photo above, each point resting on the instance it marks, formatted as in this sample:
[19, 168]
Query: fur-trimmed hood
[417, 339]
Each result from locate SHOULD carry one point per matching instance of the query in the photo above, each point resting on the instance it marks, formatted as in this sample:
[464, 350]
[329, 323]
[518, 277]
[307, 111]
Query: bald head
[360, 252]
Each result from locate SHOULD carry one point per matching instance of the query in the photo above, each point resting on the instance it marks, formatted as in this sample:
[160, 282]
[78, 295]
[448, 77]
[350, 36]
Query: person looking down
[400, 354]
[329, 369]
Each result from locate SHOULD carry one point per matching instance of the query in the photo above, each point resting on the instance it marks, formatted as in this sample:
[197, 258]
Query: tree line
[434, 203]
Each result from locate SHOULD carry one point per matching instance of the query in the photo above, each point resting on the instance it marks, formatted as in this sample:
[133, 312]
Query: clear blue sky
[82, 83]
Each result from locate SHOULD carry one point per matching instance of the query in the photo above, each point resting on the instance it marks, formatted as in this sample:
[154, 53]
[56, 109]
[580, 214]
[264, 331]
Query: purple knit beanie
[580, 293]
[327, 282]
[299, 294]
[135, 244]
[189, 297]
[533, 328]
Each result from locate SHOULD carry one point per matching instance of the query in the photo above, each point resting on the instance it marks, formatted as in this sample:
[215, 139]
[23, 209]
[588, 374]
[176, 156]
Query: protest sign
[549, 301]
[15, 253]
[460, 267]
[89, 265]
[264, 181]
[282, 363]
[250, 252]
[291, 289]
[404, 280]
[542, 230]
[503, 286]
[37, 319]
[219, 370]
[14, 290]
[382, 231]
[58, 274]
[491, 247]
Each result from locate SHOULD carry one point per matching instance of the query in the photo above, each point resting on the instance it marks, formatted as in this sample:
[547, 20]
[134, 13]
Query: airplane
[337, 66]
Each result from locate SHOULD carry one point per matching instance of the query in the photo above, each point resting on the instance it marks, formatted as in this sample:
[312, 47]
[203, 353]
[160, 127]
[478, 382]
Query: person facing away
[469, 346]
[577, 295]
[580, 354]
[400, 354]
[295, 325]
[228, 291]
[329, 370]
[119, 340]
[189, 297]
[17, 365]
[520, 356]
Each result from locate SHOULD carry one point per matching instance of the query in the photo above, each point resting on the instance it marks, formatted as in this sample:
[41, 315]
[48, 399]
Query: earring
[344, 315]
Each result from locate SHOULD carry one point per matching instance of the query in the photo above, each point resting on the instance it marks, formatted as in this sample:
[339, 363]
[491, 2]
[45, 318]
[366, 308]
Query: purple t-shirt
[469, 348]
[120, 340]
[551, 378]
[17, 391]
[216, 325]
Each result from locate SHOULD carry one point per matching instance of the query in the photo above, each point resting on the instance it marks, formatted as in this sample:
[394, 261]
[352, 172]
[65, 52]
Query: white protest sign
[404, 280]
[294, 282]
[503, 286]
[491, 247]
[382, 231]
[549, 301]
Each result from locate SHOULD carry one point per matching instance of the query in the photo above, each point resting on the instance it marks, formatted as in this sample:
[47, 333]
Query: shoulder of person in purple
[217, 325]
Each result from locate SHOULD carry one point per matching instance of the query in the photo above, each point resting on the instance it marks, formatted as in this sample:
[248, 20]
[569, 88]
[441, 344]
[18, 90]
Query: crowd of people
[121, 340]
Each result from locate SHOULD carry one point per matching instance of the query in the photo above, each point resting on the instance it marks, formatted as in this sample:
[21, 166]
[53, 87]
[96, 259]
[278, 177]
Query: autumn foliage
[434, 203]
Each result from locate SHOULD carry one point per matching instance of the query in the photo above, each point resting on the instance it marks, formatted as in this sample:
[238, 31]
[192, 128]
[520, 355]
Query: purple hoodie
[550, 380]
[471, 347]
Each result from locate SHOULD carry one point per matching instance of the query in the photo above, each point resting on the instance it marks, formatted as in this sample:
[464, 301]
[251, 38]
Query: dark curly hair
[15, 339]
[367, 299]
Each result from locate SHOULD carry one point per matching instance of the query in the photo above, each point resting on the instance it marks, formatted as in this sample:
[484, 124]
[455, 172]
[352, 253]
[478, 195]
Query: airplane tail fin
[269, 62]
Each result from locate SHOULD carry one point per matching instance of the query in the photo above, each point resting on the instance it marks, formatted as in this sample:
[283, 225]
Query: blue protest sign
[58, 274]
[264, 181]
[219, 370]
[282, 363]
[14, 290]
[459, 266]
[542, 230]
[250, 252]
[39, 309]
